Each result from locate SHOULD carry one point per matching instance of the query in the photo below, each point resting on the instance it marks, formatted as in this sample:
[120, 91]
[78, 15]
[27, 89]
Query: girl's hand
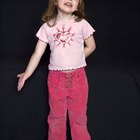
[21, 81]
[34, 60]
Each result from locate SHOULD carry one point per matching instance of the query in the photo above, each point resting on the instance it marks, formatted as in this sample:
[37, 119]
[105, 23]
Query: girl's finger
[20, 85]
[19, 75]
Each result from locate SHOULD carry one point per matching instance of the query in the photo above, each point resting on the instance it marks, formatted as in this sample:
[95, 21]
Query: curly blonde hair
[51, 12]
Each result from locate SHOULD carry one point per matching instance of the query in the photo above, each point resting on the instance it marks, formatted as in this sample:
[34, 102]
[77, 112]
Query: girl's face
[67, 6]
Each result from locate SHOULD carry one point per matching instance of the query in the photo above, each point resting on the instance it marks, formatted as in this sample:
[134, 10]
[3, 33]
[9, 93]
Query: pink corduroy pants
[68, 92]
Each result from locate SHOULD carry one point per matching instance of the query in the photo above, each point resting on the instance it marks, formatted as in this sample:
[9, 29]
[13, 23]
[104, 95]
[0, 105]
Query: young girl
[66, 31]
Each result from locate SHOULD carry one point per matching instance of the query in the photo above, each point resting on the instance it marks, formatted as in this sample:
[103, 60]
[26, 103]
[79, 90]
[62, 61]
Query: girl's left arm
[90, 45]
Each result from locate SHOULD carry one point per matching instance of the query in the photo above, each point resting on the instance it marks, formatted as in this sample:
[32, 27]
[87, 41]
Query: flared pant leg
[58, 108]
[77, 107]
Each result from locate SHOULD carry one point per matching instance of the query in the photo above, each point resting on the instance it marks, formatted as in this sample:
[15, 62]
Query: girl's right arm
[33, 63]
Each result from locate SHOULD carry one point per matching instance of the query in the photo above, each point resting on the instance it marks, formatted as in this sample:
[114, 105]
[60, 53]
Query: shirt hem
[67, 68]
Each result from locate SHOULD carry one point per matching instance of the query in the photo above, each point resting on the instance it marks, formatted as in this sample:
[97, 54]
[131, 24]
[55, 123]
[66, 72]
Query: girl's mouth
[68, 4]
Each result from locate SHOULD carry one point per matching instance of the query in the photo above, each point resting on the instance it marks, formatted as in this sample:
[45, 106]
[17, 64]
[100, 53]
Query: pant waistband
[68, 74]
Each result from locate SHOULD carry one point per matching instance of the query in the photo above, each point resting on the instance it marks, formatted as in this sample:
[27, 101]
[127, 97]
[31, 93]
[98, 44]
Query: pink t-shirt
[66, 40]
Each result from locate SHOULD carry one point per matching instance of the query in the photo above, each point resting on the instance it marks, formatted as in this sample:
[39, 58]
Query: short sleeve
[42, 33]
[87, 29]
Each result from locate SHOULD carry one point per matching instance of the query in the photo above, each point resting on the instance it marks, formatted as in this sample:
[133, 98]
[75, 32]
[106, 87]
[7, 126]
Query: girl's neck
[64, 17]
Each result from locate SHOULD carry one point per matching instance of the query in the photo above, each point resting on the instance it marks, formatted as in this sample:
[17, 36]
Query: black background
[113, 71]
